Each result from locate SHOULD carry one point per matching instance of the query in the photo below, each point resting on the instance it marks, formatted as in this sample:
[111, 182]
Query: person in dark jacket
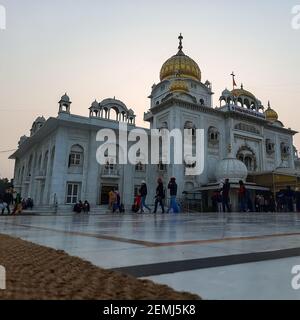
[242, 194]
[225, 196]
[172, 186]
[160, 196]
[143, 193]
[289, 197]
[86, 207]
[8, 199]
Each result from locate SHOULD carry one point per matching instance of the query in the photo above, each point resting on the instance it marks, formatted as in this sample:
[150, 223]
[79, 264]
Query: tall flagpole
[233, 80]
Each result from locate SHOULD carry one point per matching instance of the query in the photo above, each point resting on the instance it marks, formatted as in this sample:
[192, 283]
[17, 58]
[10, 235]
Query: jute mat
[39, 273]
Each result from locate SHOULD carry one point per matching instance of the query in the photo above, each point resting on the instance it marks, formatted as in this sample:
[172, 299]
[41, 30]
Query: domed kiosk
[235, 171]
[232, 169]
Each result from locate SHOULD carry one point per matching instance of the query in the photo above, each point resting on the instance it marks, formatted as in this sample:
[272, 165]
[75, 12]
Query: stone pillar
[46, 199]
[60, 164]
[92, 172]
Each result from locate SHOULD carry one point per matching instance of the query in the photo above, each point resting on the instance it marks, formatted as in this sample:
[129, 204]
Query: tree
[4, 185]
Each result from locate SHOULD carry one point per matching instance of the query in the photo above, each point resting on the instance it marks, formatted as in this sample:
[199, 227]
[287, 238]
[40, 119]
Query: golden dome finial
[271, 115]
[180, 38]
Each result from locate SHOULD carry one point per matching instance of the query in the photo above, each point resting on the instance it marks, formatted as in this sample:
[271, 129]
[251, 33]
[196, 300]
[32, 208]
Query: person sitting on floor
[77, 208]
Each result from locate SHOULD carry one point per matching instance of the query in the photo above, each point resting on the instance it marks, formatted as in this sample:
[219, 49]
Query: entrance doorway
[105, 189]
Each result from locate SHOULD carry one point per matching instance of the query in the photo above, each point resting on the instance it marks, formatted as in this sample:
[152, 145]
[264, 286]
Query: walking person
[143, 193]
[18, 204]
[111, 198]
[8, 199]
[225, 196]
[242, 196]
[117, 203]
[219, 201]
[86, 207]
[172, 186]
[160, 196]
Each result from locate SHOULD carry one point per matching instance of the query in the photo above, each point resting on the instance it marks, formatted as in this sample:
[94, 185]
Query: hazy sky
[98, 49]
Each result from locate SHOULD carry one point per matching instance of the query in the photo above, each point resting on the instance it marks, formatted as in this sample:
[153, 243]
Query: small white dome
[95, 104]
[65, 98]
[232, 169]
[22, 140]
[226, 93]
[40, 120]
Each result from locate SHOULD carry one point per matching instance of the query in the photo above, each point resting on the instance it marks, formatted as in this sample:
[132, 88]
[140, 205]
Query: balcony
[111, 172]
[41, 175]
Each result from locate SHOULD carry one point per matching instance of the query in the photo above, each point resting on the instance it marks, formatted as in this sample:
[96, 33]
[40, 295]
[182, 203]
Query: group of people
[82, 207]
[220, 198]
[7, 200]
[288, 200]
[140, 205]
[285, 201]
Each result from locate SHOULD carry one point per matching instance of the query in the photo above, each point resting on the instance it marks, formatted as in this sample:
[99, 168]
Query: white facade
[57, 163]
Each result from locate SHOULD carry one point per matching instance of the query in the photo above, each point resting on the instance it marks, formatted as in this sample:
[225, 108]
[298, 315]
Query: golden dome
[179, 85]
[241, 92]
[271, 115]
[181, 65]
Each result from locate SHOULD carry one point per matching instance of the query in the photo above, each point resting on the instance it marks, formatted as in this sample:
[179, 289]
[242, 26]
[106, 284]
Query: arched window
[76, 156]
[114, 113]
[247, 103]
[285, 150]
[140, 167]
[240, 103]
[213, 136]
[164, 125]
[247, 156]
[191, 127]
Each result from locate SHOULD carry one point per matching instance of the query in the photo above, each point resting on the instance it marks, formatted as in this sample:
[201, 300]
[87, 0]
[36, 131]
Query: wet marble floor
[231, 256]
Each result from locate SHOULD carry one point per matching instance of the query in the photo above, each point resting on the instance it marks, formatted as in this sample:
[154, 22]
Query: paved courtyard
[232, 256]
